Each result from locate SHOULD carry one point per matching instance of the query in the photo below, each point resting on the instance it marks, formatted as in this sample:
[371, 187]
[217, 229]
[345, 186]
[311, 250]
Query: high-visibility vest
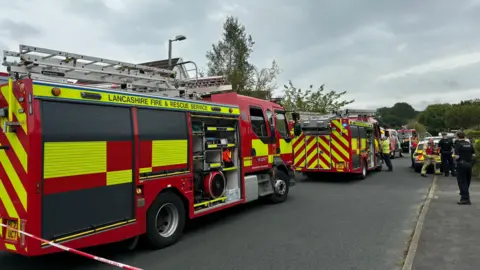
[386, 147]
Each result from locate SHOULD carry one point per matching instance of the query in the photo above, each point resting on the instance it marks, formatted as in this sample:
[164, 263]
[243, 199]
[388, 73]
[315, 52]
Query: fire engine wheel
[166, 219]
[363, 175]
[281, 187]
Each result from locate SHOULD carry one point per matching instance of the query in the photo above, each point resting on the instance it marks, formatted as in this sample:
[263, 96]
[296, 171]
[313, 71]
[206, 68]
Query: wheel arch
[182, 197]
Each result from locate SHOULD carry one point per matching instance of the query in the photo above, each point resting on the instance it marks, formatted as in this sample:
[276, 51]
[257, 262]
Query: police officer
[464, 154]
[446, 147]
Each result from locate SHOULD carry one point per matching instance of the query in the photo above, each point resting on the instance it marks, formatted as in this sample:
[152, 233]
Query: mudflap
[291, 175]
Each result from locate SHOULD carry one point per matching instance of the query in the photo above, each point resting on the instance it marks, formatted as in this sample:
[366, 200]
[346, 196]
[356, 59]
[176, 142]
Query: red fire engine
[85, 166]
[346, 142]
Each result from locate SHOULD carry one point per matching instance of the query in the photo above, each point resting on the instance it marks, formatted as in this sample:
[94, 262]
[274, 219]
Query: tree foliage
[230, 57]
[397, 115]
[442, 117]
[311, 100]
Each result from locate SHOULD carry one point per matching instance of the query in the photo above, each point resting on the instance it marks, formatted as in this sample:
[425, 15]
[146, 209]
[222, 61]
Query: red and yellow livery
[85, 166]
[336, 143]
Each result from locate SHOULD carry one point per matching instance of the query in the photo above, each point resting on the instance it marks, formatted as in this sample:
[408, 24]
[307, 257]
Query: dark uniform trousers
[447, 163]
[464, 177]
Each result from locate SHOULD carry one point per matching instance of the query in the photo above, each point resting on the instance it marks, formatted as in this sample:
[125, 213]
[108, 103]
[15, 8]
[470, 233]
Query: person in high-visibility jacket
[227, 158]
[385, 146]
[430, 154]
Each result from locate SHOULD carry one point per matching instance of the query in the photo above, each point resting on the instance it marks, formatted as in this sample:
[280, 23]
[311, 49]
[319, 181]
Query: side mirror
[295, 116]
[297, 129]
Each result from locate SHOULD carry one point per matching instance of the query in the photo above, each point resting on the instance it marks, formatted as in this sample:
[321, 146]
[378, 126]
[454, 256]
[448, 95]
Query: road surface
[324, 225]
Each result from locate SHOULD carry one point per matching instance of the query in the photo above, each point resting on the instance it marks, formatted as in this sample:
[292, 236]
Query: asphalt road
[348, 224]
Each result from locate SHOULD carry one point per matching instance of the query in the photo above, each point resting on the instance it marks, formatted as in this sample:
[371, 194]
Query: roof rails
[58, 66]
[358, 112]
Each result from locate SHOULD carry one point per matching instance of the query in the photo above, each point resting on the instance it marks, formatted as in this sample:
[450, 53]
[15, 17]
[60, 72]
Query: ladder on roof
[315, 120]
[358, 112]
[58, 66]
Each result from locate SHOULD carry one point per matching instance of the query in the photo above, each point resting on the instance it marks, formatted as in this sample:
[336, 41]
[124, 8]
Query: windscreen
[404, 134]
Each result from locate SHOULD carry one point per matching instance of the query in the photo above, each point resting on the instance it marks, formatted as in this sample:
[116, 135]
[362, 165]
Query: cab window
[258, 122]
[270, 119]
[281, 123]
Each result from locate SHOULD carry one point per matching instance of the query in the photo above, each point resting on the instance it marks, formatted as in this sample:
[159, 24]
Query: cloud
[379, 51]
[449, 63]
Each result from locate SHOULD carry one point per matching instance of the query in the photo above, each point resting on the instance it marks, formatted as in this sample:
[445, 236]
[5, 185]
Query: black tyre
[166, 219]
[281, 187]
[364, 172]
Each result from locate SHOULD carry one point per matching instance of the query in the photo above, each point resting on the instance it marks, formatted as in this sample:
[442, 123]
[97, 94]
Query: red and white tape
[78, 252]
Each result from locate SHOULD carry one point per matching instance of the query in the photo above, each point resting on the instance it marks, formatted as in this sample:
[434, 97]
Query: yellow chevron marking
[338, 124]
[12, 137]
[13, 176]
[313, 155]
[340, 148]
[21, 117]
[18, 149]
[298, 158]
[299, 146]
[326, 146]
[7, 202]
[340, 138]
[337, 156]
[310, 144]
[299, 153]
[326, 157]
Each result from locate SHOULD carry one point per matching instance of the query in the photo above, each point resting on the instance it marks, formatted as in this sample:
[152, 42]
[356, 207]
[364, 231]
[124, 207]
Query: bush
[473, 133]
[476, 168]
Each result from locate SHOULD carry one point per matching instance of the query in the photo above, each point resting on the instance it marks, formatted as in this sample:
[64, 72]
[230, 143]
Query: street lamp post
[170, 41]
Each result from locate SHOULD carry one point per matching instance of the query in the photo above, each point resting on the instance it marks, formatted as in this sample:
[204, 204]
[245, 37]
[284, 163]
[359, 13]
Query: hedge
[476, 168]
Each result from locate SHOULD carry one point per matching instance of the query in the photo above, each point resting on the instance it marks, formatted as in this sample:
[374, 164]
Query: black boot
[464, 202]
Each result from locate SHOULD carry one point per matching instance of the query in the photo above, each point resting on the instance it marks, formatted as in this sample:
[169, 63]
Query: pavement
[450, 238]
[341, 224]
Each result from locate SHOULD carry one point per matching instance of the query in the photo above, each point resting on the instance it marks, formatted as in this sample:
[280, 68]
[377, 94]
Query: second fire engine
[344, 142]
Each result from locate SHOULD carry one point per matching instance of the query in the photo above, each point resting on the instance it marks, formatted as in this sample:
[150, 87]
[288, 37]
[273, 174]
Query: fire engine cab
[343, 142]
[85, 165]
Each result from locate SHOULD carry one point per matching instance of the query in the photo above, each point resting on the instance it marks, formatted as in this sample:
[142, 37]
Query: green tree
[413, 124]
[397, 115]
[392, 121]
[463, 116]
[403, 110]
[310, 100]
[230, 57]
[263, 81]
[434, 117]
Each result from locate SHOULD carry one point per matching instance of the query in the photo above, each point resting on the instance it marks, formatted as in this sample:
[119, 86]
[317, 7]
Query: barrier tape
[78, 252]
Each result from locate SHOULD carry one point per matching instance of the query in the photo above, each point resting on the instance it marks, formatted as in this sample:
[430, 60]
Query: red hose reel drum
[214, 184]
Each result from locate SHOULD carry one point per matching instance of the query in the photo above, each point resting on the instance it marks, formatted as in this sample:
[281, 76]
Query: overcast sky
[380, 51]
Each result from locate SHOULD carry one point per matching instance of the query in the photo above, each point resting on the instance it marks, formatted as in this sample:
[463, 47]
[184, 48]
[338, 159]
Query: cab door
[261, 139]
[284, 142]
